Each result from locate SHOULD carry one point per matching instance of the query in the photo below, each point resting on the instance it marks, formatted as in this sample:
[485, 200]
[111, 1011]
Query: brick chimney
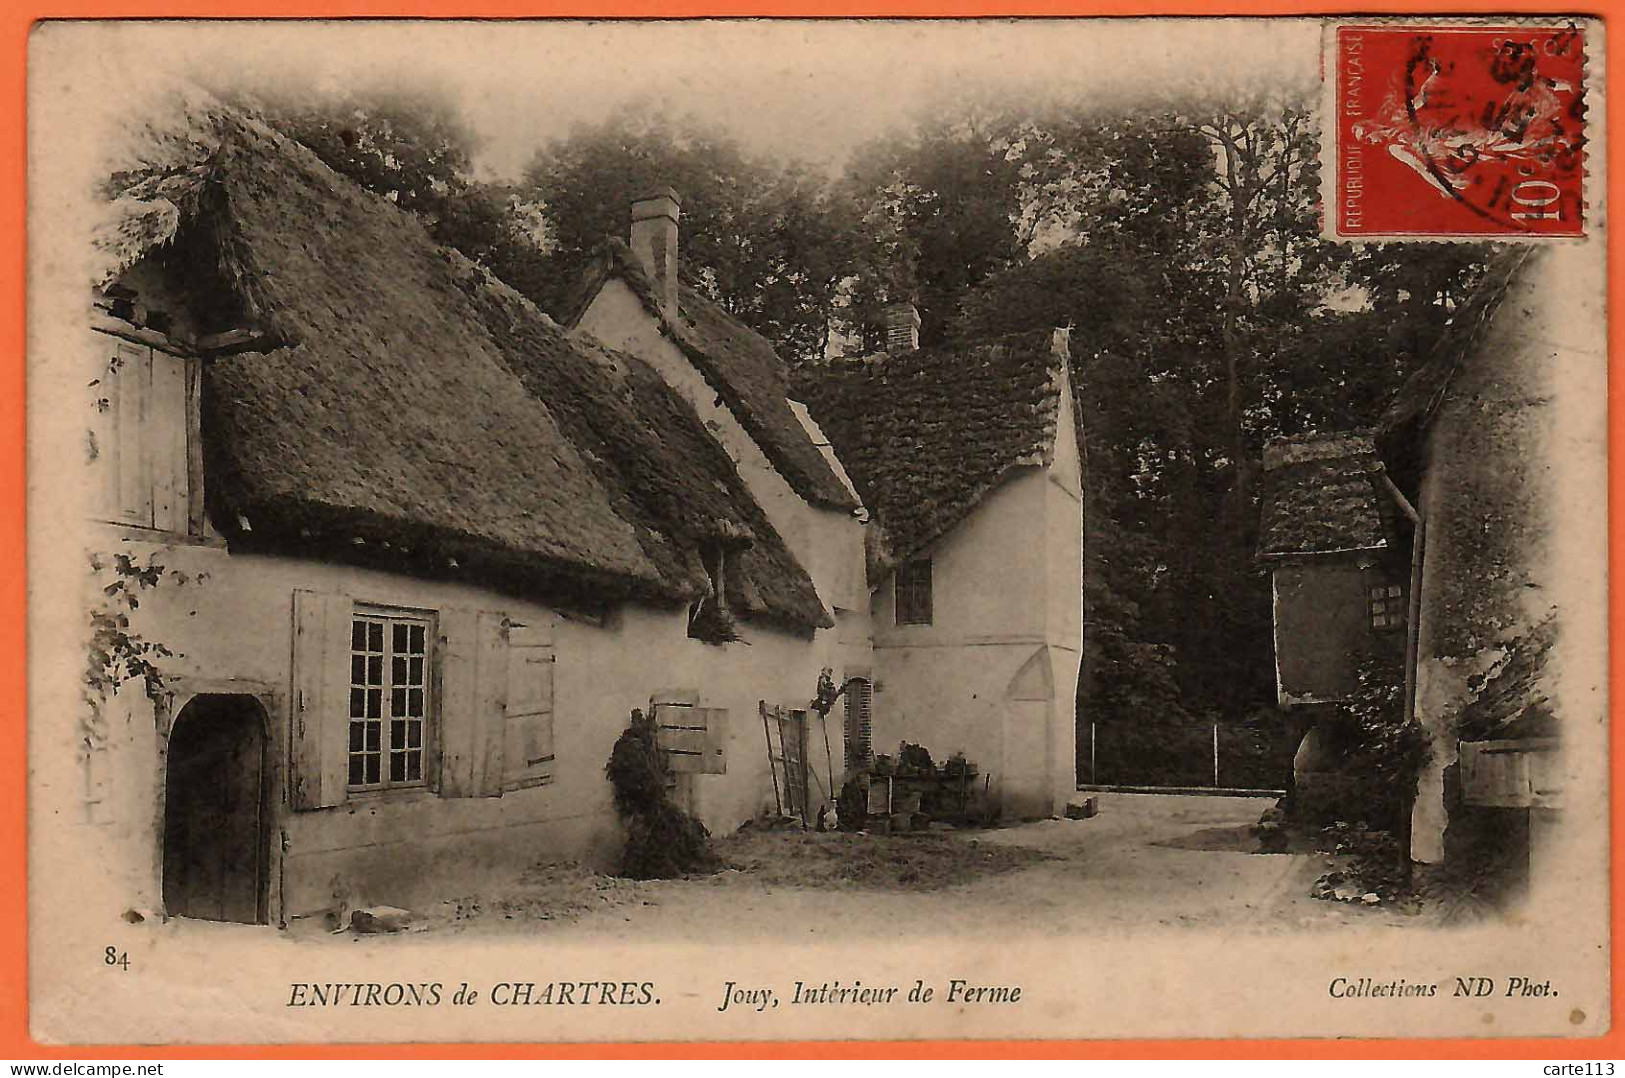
[654, 240]
[902, 328]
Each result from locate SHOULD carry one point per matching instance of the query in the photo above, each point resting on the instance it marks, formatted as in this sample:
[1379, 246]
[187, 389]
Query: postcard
[576, 531]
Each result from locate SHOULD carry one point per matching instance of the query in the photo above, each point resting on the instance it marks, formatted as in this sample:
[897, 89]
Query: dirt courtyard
[1147, 860]
[1088, 892]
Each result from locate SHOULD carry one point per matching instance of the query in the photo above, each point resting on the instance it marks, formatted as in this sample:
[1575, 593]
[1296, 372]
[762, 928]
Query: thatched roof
[422, 413]
[155, 169]
[1412, 409]
[665, 472]
[1322, 495]
[1511, 699]
[738, 363]
[925, 435]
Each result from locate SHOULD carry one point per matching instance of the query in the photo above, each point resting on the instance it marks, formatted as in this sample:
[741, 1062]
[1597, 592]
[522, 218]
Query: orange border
[15, 21]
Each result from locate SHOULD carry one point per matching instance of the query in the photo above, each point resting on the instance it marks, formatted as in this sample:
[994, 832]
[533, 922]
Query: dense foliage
[117, 652]
[1382, 754]
[1388, 751]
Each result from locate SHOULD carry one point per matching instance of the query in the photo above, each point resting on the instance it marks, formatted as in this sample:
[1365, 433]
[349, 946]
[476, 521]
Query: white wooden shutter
[528, 747]
[131, 384]
[147, 439]
[320, 721]
[474, 690]
[167, 423]
[455, 727]
[491, 668]
[690, 735]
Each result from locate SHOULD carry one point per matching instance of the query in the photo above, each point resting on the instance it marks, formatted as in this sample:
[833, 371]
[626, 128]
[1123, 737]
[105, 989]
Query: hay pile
[662, 841]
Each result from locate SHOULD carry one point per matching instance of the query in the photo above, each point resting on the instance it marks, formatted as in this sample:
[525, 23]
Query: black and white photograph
[706, 530]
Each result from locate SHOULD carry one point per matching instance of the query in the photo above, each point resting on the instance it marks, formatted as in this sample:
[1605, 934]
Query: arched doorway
[215, 812]
[1033, 784]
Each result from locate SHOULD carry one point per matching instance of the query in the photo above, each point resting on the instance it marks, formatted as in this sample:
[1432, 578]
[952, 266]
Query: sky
[807, 89]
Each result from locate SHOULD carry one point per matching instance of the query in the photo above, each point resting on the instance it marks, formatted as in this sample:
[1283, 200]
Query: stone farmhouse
[414, 551]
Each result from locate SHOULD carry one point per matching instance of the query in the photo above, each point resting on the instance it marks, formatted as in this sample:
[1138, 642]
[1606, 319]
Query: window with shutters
[144, 438]
[390, 706]
[913, 592]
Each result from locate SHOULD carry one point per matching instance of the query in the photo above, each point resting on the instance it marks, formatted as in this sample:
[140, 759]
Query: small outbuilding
[1336, 546]
[1336, 543]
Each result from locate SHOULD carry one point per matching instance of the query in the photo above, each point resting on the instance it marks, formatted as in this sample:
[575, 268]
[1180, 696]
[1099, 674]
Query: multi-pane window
[913, 584]
[1388, 606]
[388, 700]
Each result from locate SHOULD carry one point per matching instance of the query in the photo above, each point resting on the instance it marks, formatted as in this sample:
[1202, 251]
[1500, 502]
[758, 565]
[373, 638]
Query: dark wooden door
[214, 814]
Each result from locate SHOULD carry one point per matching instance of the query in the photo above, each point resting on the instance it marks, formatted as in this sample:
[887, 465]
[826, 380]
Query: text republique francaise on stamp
[1458, 131]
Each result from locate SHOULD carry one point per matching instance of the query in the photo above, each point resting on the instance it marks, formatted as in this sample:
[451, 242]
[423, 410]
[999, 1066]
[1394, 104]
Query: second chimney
[654, 240]
[902, 328]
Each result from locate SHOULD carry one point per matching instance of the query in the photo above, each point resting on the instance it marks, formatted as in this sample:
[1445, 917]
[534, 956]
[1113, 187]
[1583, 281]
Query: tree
[1264, 179]
[414, 148]
[940, 211]
[767, 241]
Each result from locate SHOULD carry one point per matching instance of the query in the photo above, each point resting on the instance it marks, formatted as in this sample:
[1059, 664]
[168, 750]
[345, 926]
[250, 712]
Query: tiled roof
[1322, 495]
[925, 435]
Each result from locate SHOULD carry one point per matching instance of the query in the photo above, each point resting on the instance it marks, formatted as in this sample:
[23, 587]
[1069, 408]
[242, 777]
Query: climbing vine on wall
[117, 653]
[1385, 751]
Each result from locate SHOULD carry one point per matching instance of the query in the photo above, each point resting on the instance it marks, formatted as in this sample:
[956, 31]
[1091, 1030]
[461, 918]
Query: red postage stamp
[1457, 131]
